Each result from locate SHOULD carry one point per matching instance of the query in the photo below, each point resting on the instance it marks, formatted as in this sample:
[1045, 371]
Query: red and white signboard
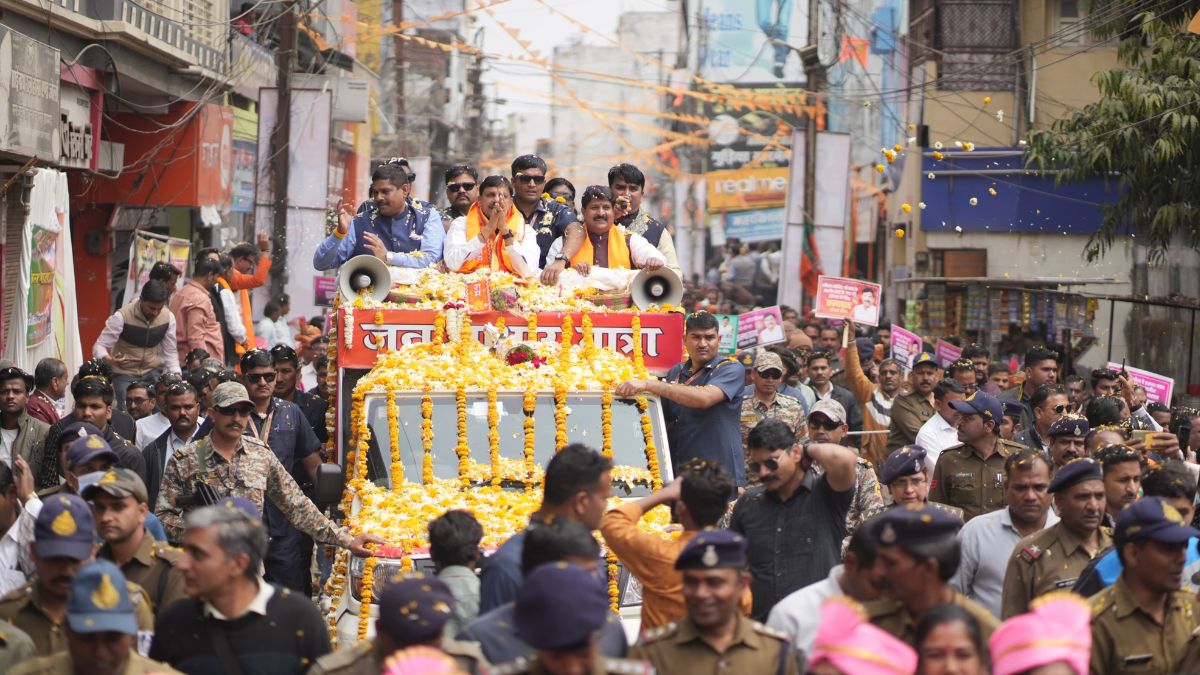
[1158, 387]
[841, 298]
[662, 334]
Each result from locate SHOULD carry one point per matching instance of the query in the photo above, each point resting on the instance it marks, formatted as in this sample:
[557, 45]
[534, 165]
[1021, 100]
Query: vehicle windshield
[583, 425]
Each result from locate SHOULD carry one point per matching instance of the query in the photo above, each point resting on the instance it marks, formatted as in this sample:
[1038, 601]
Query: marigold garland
[614, 575]
[529, 405]
[589, 346]
[648, 436]
[426, 440]
[368, 591]
[493, 417]
[333, 589]
[639, 360]
[560, 416]
[568, 331]
[606, 400]
[531, 328]
[462, 449]
[348, 327]
[439, 332]
[393, 413]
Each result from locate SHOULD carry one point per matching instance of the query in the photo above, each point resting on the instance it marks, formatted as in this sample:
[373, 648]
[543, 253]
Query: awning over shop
[1007, 197]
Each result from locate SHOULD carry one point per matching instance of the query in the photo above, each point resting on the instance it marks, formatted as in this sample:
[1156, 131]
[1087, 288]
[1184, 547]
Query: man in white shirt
[153, 426]
[493, 235]
[19, 507]
[799, 615]
[273, 327]
[606, 244]
[940, 431]
[988, 540]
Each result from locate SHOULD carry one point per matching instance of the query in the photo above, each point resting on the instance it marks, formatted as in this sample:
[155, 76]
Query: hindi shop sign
[1158, 387]
[29, 80]
[662, 333]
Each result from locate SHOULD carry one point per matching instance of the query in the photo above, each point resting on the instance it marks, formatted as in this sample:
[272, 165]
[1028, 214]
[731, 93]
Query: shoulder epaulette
[164, 551]
[1031, 552]
[764, 629]
[657, 633]
[1102, 601]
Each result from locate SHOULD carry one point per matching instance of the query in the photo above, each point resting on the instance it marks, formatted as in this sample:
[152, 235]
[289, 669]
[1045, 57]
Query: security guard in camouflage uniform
[119, 504]
[1053, 558]
[559, 610]
[232, 465]
[970, 475]
[908, 538]
[1152, 538]
[100, 602]
[905, 476]
[63, 536]
[765, 379]
[413, 610]
[827, 423]
[714, 568]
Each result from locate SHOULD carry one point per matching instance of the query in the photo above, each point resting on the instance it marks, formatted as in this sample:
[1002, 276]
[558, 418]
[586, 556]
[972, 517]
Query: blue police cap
[980, 403]
[242, 504]
[712, 549]
[1074, 472]
[925, 359]
[559, 606]
[1152, 518]
[1012, 408]
[64, 528]
[905, 461]
[1069, 425]
[76, 430]
[100, 602]
[910, 524]
[415, 608]
[87, 448]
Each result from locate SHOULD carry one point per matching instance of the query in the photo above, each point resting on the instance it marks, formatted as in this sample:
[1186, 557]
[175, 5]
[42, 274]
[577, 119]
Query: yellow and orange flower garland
[648, 437]
[493, 417]
[397, 468]
[528, 406]
[614, 576]
[368, 591]
[606, 400]
[462, 449]
[426, 439]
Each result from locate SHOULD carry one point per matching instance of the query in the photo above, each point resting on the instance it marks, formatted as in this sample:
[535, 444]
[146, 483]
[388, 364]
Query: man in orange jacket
[242, 279]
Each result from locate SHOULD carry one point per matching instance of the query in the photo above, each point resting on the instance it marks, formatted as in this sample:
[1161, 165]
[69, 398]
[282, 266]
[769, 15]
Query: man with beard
[64, 536]
[1041, 367]
[181, 405]
[93, 405]
[287, 376]
[1053, 558]
[393, 228]
[918, 555]
[940, 432]
[980, 574]
[820, 374]
[911, 410]
[761, 398]
[20, 434]
[980, 359]
[874, 397]
[905, 473]
[628, 185]
[714, 636]
[1143, 622]
[1067, 439]
[152, 426]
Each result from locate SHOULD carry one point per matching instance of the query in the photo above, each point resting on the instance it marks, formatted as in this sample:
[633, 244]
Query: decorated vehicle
[439, 407]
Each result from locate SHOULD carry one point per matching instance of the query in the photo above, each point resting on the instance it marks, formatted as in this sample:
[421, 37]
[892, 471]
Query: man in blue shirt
[396, 229]
[702, 400]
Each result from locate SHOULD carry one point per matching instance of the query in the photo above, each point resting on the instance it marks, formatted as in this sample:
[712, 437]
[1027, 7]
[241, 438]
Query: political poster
[1158, 387]
[906, 346]
[728, 327]
[946, 353]
[841, 298]
[760, 328]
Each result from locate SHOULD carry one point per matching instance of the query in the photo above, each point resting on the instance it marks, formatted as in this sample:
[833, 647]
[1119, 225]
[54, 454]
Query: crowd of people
[836, 510]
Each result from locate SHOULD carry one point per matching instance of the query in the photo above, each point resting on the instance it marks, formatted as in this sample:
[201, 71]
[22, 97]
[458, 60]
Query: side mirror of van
[330, 483]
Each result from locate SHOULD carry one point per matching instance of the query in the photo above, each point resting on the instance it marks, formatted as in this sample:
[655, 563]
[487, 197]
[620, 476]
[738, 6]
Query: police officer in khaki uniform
[119, 504]
[715, 636]
[1053, 558]
[912, 542]
[971, 475]
[64, 537]
[906, 478]
[559, 610]
[100, 602]
[413, 610]
[15, 647]
[914, 409]
[1142, 623]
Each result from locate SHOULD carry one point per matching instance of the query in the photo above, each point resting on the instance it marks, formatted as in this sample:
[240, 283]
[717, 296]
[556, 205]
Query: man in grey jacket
[20, 434]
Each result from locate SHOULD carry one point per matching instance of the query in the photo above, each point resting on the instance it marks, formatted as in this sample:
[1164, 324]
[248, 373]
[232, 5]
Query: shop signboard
[29, 80]
[757, 225]
[747, 188]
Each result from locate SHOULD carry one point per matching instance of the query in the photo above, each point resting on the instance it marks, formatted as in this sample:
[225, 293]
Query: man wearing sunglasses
[281, 426]
[1048, 404]
[827, 424]
[236, 465]
[394, 228]
[941, 431]
[181, 405]
[795, 519]
[462, 190]
[550, 219]
[761, 398]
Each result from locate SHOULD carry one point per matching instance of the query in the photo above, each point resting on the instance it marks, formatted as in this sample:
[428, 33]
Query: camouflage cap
[230, 393]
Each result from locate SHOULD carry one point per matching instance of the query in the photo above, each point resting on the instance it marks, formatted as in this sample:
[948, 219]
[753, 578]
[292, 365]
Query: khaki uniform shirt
[254, 473]
[153, 568]
[360, 659]
[784, 408]
[972, 484]
[892, 617]
[1047, 560]
[909, 412]
[678, 647]
[60, 664]
[15, 647]
[1189, 661]
[21, 608]
[1125, 639]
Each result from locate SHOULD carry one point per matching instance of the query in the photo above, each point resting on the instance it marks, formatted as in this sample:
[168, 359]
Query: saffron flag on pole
[810, 261]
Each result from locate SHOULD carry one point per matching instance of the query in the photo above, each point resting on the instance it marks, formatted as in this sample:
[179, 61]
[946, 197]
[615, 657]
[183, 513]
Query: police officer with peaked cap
[964, 477]
[1066, 437]
[712, 560]
[903, 463]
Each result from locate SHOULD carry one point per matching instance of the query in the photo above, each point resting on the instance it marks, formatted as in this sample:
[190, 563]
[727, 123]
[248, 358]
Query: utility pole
[285, 60]
[814, 76]
[401, 117]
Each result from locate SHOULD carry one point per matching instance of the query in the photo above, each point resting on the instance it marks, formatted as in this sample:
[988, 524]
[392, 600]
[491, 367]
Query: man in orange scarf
[607, 245]
[493, 235]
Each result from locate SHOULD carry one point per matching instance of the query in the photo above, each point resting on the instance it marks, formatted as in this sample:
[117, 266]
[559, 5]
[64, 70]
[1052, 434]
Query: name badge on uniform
[1066, 583]
[1137, 660]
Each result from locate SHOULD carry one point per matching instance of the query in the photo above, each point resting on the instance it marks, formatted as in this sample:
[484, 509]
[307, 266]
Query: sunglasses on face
[260, 377]
[235, 410]
[771, 374]
[453, 188]
[823, 423]
[771, 463]
[526, 178]
[1060, 409]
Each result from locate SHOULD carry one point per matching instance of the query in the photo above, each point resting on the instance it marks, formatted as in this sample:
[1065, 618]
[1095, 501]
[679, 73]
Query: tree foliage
[1144, 132]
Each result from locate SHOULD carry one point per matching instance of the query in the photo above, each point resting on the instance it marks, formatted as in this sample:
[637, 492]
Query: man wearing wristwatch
[549, 219]
[493, 235]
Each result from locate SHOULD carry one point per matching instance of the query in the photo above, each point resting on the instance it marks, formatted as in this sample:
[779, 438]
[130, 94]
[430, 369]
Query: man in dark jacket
[182, 408]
